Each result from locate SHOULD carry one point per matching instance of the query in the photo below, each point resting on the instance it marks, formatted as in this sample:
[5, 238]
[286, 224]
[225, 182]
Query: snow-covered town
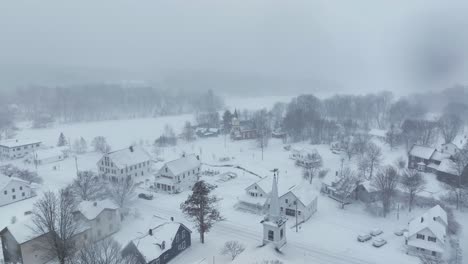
[245, 132]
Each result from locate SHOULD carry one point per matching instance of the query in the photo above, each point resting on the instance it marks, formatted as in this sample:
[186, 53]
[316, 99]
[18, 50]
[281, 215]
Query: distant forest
[103, 102]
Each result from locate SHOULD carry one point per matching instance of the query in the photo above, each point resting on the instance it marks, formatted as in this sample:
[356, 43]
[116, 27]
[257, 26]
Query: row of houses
[95, 221]
[429, 159]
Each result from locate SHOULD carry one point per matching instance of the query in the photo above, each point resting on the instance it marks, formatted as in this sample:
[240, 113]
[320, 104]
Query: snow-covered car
[376, 232]
[145, 196]
[364, 237]
[399, 232]
[379, 242]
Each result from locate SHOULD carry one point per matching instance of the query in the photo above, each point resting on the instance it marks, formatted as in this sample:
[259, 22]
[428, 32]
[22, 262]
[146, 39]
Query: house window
[255, 187]
[419, 236]
[271, 235]
[21, 188]
[166, 169]
[177, 238]
[14, 197]
[432, 239]
[434, 253]
[23, 194]
[5, 192]
[281, 233]
[13, 190]
[299, 212]
[183, 245]
[286, 200]
[183, 234]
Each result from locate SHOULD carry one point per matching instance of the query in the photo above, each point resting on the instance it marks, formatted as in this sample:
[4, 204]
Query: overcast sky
[361, 45]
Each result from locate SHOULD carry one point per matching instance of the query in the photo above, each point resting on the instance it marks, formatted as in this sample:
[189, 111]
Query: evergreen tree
[187, 133]
[227, 121]
[201, 208]
[62, 141]
[83, 144]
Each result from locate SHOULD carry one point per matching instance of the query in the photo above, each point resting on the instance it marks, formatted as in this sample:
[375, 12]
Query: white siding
[15, 191]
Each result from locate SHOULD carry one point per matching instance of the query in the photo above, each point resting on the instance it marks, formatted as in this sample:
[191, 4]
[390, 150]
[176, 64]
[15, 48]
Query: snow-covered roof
[448, 166]
[23, 231]
[460, 140]
[378, 132]
[439, 156]
[129, 156]
[305, 195]
[189, 162]
[265, 185]
[149, 246]
[48, 153]
[368, 186]
[5, 180]
[429, 221]
[423, 152]
[91, 209]
[11, 143]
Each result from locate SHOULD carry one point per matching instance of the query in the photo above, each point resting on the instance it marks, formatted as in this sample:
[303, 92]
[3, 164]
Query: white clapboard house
[131, 162]
[293, 199]
[103, 218]
[427, 233]
[178, 175]
[18, 148]
[14, 189]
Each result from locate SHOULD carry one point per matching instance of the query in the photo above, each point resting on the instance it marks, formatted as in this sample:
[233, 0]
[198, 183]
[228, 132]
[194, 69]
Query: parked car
[145, 196]
[399, 233]
[376, 232]
[379, 242]
[364, 237]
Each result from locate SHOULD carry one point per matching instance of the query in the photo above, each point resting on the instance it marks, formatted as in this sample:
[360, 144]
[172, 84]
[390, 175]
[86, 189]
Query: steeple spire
[274, 212]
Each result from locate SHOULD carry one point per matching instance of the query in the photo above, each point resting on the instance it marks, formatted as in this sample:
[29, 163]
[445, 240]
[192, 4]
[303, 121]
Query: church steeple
[274, 212]
[274, 224]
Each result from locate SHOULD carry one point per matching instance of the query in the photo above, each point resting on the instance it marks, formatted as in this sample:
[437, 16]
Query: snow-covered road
[232, 230]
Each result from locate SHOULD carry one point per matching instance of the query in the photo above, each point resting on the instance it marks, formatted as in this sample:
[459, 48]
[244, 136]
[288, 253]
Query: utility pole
[76, 165]
[296, 216]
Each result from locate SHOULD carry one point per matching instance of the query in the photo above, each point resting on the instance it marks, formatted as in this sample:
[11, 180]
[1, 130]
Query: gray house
[160, 244]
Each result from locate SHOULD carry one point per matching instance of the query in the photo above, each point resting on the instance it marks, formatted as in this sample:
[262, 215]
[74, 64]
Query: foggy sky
[360, 45]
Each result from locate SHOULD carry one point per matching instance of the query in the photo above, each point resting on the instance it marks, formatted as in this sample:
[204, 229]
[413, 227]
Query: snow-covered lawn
[328, 237]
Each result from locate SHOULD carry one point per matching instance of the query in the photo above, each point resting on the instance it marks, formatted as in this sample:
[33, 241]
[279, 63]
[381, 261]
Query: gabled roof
[183, 164]
[439, 156]
[48, 153]
[265, 185]
[150, 246]
[23, 231]
[129, 156]
[423, 152]
[11, 143]
[378, 132]
[305, 195]
[448, 166]
[5, 180]
[429, 221]
[91, 209]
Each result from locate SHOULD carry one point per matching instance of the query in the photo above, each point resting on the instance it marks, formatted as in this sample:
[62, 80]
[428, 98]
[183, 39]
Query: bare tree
[121, 191]
[261, 123]
[426, 259]
[53, 218]
[349, 147]
[99, 144]
[106, 251]
[24, 174]
[373, 155]
[312, 165]
[232, 248]
[460, 165]
[80, 145]
[386, 182]
[346, 186]
[413, 183]
[450, 125]
[87, 186]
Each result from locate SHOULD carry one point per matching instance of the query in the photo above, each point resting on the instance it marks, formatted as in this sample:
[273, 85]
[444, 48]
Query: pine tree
[227, 121]
[200, 208]
[187, 133]
[62, 141]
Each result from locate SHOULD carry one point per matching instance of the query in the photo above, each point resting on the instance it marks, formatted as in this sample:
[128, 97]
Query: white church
[274, 224]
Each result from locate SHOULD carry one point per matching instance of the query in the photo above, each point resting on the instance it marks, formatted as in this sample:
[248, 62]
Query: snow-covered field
[328, 237]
